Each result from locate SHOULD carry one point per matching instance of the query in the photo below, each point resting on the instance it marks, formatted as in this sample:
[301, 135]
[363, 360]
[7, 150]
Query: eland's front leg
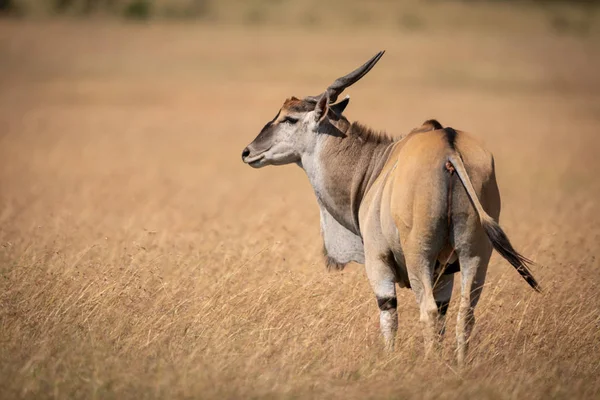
[382, 281]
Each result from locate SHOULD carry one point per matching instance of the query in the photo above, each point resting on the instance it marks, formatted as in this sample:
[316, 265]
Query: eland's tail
[492, 228]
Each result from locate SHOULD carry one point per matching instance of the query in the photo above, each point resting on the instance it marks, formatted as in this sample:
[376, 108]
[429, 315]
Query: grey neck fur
[346, 161]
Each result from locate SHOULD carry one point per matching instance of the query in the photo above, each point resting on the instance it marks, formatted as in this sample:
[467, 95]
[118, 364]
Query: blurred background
[140, 258]
[575, 16]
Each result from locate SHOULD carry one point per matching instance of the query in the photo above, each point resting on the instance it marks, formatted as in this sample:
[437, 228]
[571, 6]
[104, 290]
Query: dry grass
[140, 258]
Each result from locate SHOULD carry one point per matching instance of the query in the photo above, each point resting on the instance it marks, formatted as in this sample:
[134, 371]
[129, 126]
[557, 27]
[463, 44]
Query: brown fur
[294, 104]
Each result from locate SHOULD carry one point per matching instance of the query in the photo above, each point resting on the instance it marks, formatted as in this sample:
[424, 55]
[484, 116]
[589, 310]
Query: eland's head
[294, 129]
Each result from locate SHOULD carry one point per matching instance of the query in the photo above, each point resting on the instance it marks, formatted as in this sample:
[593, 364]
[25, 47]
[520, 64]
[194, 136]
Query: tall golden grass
[140, 258]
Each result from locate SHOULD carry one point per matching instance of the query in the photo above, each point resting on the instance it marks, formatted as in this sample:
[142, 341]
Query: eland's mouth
[255, 161]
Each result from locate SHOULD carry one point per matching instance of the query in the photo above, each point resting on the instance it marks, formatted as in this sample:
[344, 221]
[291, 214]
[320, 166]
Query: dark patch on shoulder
[428, 126]
[387, 303]
[433, 123]
[451, 137]
[331, 263]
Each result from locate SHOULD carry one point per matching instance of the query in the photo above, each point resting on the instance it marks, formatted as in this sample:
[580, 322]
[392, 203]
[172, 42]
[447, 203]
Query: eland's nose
[245, 153]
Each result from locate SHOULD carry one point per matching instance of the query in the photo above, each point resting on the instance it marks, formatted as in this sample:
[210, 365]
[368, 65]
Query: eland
[414, 211]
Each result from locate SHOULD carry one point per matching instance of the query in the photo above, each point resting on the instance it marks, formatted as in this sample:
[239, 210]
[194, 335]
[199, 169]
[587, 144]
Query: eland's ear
[322, 107]
[339, 108]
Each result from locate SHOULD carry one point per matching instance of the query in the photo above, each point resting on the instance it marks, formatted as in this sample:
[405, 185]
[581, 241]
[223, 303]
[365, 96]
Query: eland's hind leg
[474, 261]
[420, 273]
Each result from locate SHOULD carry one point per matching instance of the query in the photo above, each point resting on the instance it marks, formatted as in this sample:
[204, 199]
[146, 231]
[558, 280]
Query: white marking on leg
[388, 321]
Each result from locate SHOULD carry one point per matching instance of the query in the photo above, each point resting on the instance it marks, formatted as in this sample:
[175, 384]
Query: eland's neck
[343, 167]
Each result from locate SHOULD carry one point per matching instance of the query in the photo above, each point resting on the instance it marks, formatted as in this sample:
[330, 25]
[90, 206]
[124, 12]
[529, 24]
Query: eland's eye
[290, 120]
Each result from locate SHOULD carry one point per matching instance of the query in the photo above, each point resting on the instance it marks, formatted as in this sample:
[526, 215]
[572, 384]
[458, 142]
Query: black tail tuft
[502, 245]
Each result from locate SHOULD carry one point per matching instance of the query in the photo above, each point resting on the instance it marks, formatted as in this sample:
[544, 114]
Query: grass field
[140, 258]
